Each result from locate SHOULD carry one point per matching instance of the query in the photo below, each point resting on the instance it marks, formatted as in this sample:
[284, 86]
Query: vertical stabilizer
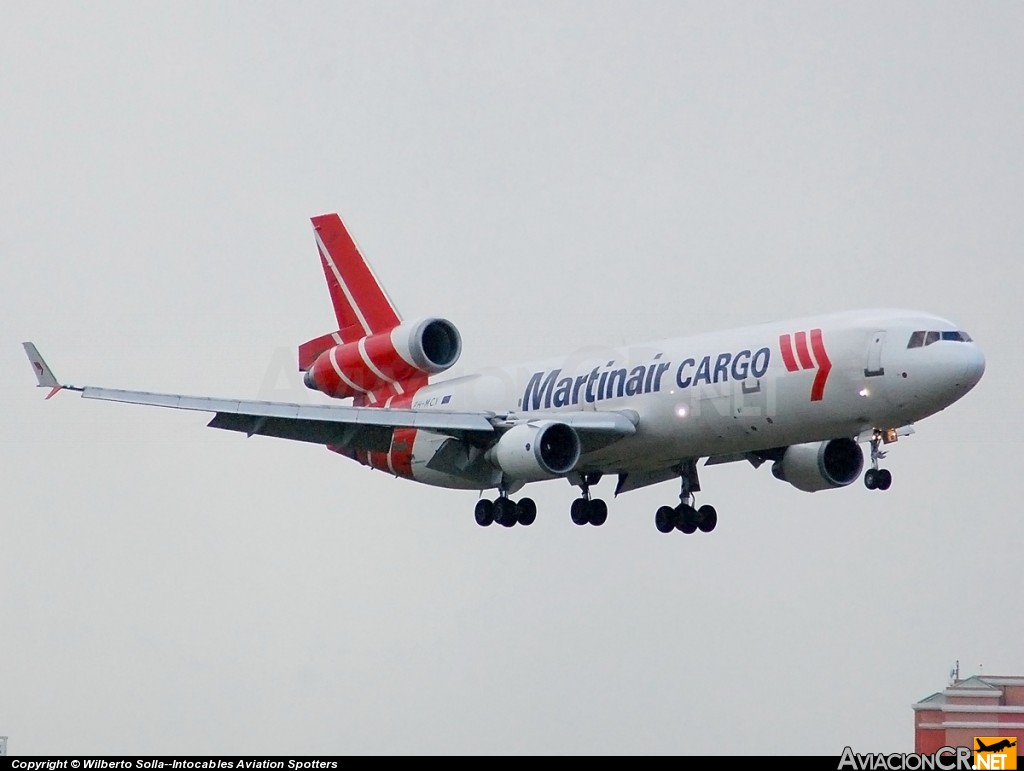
[361, 305]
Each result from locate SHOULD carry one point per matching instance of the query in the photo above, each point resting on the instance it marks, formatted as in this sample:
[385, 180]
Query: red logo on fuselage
[803, 359]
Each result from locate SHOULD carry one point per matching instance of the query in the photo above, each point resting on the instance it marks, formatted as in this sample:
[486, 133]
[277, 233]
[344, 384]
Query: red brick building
[982, 705]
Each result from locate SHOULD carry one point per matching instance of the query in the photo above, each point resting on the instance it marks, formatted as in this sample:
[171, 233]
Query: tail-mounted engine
[820, 465]
[531, 452]
[409, 352]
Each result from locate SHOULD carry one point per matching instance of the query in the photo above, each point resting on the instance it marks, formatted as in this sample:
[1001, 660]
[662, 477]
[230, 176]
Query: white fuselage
[738, 391]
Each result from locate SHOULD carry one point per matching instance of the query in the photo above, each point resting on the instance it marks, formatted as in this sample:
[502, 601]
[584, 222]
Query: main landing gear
[505, 511]
[594, 511]
[685, 517]
[586, 510]
[876, 478]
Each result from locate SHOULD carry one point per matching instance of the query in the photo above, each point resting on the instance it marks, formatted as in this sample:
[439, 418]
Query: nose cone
[973, 368]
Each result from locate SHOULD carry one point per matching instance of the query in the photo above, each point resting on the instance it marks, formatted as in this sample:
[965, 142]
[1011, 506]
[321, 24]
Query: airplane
[1002, 744]
[803, 394]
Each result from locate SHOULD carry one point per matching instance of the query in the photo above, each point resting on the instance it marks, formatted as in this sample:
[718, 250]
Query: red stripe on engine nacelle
[398, 400]
[361, 376]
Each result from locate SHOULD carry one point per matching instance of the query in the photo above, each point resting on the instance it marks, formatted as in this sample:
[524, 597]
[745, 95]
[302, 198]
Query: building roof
[931, 702]
[990, 686]
[975, 681]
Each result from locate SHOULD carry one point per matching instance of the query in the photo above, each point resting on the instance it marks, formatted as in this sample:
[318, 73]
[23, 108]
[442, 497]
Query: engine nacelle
[408, 352]
[820, 465]
[533, 451]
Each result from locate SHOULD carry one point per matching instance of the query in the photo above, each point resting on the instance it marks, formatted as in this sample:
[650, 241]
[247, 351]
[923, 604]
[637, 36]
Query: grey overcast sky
[549, 176]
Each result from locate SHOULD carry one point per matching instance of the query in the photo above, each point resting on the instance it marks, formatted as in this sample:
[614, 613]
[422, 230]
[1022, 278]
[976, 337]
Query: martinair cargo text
[803, 394]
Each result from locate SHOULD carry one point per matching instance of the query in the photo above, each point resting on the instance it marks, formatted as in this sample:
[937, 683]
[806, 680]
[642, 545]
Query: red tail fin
[360, 303]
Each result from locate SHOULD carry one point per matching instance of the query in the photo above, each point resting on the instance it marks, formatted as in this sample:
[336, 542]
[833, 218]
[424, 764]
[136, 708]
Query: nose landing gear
[876, 478]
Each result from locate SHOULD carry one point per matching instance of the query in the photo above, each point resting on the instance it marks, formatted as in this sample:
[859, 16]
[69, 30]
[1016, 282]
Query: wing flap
[634, 480]
[753, 458]
[369, 438]
[460, 459]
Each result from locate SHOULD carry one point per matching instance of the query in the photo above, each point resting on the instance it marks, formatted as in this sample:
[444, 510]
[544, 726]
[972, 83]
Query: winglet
[43, 372]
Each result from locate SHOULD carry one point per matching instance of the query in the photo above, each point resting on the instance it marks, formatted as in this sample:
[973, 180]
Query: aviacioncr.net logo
[944, 759]
[995, 752]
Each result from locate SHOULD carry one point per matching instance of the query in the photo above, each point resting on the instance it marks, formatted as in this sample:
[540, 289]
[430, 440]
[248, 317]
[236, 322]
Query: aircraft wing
[364, 428]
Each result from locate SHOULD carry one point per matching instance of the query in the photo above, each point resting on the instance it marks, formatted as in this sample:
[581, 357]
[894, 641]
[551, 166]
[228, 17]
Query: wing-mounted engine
[820, 465]
[537, 450]
[409, 353]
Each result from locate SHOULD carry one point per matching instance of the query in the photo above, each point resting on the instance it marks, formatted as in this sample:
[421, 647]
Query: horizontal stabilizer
[309, 350]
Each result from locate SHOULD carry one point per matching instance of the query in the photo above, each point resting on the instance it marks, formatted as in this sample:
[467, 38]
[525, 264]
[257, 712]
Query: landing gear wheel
[504, 512]
[707, 518]
[579, 511]
[686, 518]
[665, 519]
[484, 512]
[526, 511]
[876, 478]
[597, 512]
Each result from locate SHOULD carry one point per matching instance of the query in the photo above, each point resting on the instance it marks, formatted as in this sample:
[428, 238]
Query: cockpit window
[960, 337]
[923, 338]
[916, 340]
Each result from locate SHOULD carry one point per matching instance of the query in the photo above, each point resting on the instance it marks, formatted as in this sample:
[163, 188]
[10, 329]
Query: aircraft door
[873, 366]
